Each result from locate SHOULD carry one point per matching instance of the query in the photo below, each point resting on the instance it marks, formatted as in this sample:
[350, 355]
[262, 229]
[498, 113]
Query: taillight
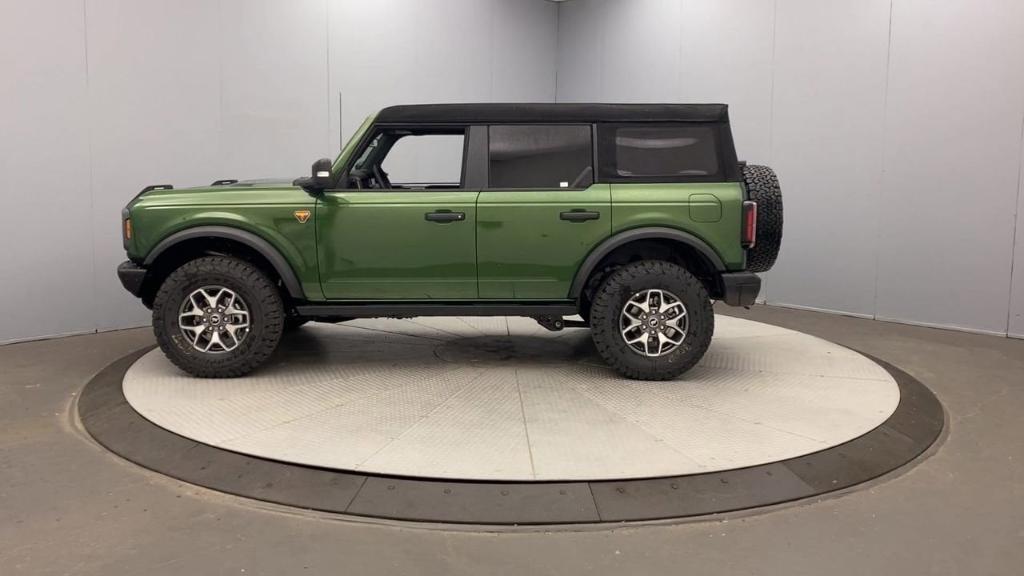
[748, 237]
[128, 229]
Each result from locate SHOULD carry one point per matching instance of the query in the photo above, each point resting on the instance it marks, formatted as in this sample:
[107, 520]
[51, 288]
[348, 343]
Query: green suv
[633, 217]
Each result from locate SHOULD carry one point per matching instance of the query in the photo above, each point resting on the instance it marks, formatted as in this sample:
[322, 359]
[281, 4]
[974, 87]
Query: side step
[408, 310]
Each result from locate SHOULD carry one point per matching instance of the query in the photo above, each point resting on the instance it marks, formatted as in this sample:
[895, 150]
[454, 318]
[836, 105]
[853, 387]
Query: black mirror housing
[319, 178]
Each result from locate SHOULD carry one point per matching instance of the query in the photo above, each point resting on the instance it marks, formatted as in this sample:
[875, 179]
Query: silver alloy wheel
[214, 319]
[653, 322]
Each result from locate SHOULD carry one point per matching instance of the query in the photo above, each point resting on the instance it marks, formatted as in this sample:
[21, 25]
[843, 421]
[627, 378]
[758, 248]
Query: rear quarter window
[659, 153]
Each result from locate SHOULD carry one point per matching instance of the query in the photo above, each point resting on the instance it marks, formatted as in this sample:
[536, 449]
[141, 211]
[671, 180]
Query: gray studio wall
[897, 128]
[102, 97]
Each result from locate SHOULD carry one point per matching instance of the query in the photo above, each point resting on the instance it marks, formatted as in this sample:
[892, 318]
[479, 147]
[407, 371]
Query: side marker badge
[301, 216]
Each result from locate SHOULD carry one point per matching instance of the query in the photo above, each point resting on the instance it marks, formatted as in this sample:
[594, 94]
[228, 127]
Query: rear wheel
[218, 317]
[652, 320]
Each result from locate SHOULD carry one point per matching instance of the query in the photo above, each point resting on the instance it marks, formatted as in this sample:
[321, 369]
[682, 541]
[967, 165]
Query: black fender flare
[622, 238]
[264, 248]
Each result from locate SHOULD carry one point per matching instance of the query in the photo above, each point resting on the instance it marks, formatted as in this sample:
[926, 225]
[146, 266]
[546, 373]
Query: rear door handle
[445, 216]
[580, 215]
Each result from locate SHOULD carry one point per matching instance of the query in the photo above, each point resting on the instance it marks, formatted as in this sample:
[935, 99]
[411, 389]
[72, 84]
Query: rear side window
[540, 157]
[659, 153]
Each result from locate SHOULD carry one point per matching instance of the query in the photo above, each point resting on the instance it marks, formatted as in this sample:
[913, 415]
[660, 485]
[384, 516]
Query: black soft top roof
[551, 113]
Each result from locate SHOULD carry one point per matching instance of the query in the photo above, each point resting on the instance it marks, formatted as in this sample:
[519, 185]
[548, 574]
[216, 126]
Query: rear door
[540, 213]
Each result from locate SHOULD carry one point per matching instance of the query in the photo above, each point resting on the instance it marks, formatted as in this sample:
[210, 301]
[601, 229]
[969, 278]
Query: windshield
[352, 143]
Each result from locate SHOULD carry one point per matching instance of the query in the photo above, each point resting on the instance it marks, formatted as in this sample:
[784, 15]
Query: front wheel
[652, 320]
[218, 317]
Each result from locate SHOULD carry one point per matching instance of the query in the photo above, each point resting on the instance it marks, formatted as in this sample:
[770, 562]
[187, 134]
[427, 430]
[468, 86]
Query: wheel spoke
[678, 322]
[653, 322]
[211, 301]
[647, 346]
[214, 339]
[633, 320]
[198, 300]
[641, 303]
[232, 329]
[196, 332]
[634, 339]
[665, 338]
[214, 319]
[676, 306]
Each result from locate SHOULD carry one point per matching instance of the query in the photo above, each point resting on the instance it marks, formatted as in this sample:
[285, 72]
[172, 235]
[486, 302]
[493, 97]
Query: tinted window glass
[541, 157]
[660, 152]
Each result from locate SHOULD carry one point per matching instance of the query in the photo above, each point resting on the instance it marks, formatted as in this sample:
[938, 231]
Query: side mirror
[319, 178]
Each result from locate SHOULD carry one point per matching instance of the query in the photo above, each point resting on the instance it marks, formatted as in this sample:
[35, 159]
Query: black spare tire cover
[763, 188]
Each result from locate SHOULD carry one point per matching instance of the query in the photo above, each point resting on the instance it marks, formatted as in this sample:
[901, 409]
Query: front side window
[659, 152]
[540, 157]
[411, 160]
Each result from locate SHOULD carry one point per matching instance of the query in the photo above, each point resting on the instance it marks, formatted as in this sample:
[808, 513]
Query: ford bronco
[635, 217]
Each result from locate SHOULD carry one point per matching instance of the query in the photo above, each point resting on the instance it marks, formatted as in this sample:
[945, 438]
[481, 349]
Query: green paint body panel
[376, 244]
[266, 210]
[639, 205]
[525, 249]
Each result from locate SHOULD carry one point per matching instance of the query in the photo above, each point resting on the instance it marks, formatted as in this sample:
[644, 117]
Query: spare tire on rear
[763, 188]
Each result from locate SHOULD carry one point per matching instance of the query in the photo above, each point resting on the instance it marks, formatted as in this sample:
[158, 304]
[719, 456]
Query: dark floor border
[111, 421]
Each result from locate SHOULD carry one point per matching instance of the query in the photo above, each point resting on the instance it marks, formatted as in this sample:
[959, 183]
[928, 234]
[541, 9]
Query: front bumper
[740, 288]
[132, 276]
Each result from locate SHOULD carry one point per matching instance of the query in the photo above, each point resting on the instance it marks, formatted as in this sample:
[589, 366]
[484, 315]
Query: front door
[540, 214]
[403, 227]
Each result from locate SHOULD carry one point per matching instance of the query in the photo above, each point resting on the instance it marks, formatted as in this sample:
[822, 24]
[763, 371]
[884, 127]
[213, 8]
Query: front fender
[263, 247]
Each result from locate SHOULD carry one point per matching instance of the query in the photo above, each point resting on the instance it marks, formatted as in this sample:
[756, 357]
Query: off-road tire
[763, 188]
[627, 281]
[266, 316]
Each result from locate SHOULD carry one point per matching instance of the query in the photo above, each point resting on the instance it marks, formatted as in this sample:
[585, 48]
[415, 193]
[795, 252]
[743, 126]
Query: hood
[219, 185]
[220, 191]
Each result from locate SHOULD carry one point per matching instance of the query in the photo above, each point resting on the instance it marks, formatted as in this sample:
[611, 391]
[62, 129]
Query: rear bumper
[740, 288]
[132, 276]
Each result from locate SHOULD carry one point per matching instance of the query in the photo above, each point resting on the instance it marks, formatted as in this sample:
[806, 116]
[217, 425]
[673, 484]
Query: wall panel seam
[881, 164]
[327, 82]
[94, 321]
[558, 45]
[1016, 219]
[771, 84]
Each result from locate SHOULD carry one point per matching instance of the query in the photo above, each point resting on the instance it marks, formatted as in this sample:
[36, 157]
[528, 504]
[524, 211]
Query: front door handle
[445, 216]
[579, 215]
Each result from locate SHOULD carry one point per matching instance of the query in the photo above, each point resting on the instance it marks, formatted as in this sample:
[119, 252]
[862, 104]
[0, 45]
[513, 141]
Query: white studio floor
[504, 399]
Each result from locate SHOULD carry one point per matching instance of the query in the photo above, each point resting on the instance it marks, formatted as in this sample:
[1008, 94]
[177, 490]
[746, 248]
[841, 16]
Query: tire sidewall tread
[763, 188]
[266, 316]
[627, 281]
